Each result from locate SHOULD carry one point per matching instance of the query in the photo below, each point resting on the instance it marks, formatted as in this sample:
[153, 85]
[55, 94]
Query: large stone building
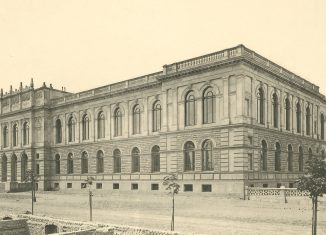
[221, 121]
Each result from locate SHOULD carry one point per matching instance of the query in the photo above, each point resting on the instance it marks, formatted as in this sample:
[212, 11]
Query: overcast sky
[85, 44]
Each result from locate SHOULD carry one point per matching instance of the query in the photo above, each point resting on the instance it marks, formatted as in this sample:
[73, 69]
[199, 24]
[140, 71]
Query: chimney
[21, 86]
[32, 83]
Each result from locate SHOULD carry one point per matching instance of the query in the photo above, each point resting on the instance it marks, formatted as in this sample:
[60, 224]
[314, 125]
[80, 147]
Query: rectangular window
[206, 188]
[250, 162]
[134, 186]
[98, 185]
[250, 140]
[187, 188]
[278, 185]
[115, 186]
[265, 185]
[291, 185]
[56, 186]
[154, 187]
[83, 185]
[69, 185]
[37, 156]
[247, 105]
[37, 169]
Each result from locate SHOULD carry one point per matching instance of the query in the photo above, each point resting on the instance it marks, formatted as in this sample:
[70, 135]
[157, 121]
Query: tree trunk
[314, 215]
[172, 222]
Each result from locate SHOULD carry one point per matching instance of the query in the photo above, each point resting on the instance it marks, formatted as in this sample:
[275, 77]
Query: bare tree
[89, 182]
[314, 181]
[173, 187]
[32, 178]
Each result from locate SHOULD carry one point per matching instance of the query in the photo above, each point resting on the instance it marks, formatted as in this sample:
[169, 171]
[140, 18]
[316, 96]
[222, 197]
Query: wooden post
[90, 206]
[172, 224]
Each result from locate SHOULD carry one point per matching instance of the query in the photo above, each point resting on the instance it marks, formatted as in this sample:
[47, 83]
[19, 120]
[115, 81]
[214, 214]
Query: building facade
[220, 121]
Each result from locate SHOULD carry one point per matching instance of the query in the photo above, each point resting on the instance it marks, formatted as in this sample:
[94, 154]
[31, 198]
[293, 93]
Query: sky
[83, 44]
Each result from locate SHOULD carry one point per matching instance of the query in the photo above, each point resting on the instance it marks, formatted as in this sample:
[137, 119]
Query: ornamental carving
[25, 97]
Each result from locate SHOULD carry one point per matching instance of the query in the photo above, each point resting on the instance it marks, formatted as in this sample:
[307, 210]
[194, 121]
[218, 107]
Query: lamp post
[89, 182]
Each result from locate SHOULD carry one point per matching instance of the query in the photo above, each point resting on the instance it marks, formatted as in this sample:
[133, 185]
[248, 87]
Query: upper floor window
[71, 129]
[298, 114]
[275, 109]
[25, 133]
[308, 120]
[135, 160]
[85, 127]
[277, 157]
[136, 120]
[261, 106]
[300, 159]
[84, 163]
[15, 135]
[100, 162]
[190, 113]
[155, 159]
[189, 156]
[264, 155]
[58, 131]
[322, 126]
[70, 164]
[100, 125]
[208, 106]
[287, 114]
[116, 161]
[5, 137]
[117, 122]
[290, 158]
[207, 156]
[157, 116]
[57, 164]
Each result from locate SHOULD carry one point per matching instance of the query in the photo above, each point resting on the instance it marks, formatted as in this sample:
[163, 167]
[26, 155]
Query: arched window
[264, 155]
[189, 156]
[277, 157]
[308, 121]
[207, 156]
[116, 161]
[310, 154]
[275, 109]
[100, 125]
[57, 164]
[100, 162]
[25, 133]
[5, 137]
[300, 159]
[85, 127]
[298, 114]
[24, 162]
[135, 160]
[156, 159]
[71, 129]
[322, 126]
[261, 106]
[117, 122]
[157, 116]
[190, 113]
[287, 114]
[14, 168]
[58, 131]
[4, 168]
[290, 158]
[70, 164]
[15, 135]
[84, 163]
[136, 119]
[208, 106]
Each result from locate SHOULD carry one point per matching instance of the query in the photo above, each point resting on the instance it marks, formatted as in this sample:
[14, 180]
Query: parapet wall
[37, 226]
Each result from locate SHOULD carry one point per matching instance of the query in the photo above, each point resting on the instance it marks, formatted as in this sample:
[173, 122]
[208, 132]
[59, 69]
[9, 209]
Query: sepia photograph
[162, 117]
